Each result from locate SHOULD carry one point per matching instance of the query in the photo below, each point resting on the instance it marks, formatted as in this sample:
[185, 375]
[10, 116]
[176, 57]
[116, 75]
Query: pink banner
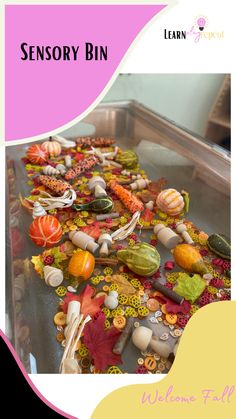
[60, 58]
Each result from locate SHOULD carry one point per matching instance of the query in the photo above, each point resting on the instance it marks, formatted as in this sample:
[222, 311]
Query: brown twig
[106, 261]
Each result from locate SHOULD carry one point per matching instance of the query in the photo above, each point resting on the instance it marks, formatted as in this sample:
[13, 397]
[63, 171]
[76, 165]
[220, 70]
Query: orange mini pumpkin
[52, 147]
[81, 265]
[45, 231]
[37, 154]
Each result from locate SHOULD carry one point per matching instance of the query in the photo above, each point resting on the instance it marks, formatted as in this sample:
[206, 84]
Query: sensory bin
[103, 228]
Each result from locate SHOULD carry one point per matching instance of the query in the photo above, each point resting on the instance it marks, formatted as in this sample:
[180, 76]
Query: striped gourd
[128, 159]
[170, 201]
[220, 244]
[142, 258]
[101, 205]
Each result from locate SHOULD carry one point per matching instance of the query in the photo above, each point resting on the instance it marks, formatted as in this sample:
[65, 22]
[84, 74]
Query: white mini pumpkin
[52, 147]
[170, 201]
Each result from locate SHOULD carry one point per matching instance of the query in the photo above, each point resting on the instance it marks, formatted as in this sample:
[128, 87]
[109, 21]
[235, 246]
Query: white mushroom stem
[99, 191]
[106, 241]
[139, 184]
[64, 201]
[97, 185]
[149, 205]
[68, 161]
[182, 229]
[61, 168]
[126, 230]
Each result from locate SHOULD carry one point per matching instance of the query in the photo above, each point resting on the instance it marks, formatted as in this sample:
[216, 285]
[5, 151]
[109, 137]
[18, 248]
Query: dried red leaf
[147, 215]
[100, 343]
[158, 186]
[90, 305]
[92, 230]
[183, 308]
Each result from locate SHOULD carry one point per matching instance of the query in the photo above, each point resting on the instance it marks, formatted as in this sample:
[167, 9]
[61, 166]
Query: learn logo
[198, 31]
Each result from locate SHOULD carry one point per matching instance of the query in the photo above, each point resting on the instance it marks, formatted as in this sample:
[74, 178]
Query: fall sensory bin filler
[92, 206]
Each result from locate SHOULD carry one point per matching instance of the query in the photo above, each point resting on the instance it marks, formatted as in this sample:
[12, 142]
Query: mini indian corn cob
[81, 167]
[56, 185]
[129, 200]
[95, 142]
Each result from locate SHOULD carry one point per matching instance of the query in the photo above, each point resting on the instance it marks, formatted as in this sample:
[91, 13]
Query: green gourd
[142, 258]
[101, 205]
[220, 244]
[128, 159]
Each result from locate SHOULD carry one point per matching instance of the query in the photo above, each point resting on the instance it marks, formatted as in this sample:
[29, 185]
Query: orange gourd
[81, 265]
[37, 154]
[189, 258]
[45, 231]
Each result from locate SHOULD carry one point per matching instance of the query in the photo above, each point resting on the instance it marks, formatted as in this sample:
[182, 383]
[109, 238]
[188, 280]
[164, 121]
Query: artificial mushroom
[139, 184]
[68, 161]
[182, 229]
[52, 276]
[97, 185]
[105, 240]
[149, 205]
[143, 338]
[83, 240]
[61, 168]
[166, 236]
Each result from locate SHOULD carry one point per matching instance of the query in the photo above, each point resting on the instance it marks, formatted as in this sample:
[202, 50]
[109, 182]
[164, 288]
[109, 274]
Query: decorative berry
[216, 282]
[141, 370]
[182, 320]
[204, 299]
[169, 265]
[48, 260]
[147, 284]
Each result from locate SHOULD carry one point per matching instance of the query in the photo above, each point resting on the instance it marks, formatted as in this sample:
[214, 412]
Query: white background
[79, 395]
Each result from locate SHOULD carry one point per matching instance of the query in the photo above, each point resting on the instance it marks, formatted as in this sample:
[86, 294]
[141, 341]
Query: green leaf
[190, 287]
[38, 264]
